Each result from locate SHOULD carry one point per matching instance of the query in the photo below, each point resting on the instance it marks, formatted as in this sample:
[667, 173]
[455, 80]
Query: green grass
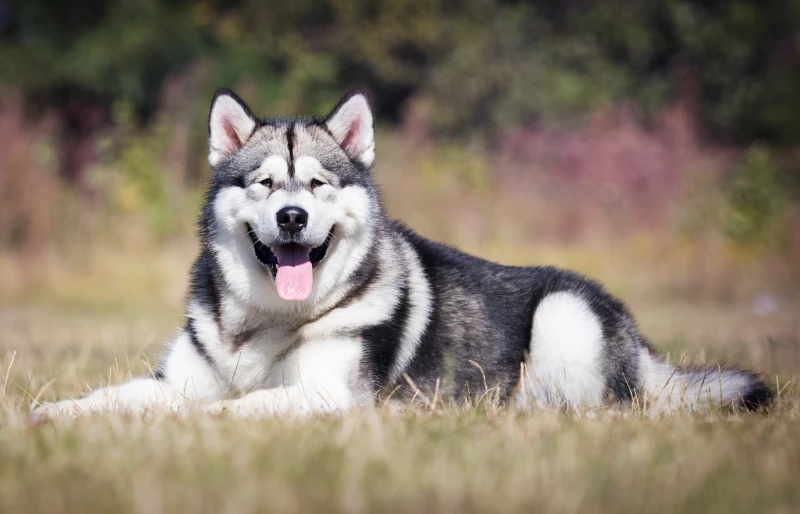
[449, 460]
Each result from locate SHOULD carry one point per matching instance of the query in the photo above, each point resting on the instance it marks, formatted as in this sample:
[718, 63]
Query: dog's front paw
[239, 408]
[219, 408]
[261, 404]
[63, 410]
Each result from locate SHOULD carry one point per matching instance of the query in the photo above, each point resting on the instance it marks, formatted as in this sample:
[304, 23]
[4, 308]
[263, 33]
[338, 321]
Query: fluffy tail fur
[666, 387]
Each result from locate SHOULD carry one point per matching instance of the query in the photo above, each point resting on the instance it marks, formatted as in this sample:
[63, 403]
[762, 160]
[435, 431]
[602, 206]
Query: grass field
[446, 460]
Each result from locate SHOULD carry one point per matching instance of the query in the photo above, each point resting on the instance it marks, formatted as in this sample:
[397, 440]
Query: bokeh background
[652, 145]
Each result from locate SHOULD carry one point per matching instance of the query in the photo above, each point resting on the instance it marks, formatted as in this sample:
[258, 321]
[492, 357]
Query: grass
[446, 460]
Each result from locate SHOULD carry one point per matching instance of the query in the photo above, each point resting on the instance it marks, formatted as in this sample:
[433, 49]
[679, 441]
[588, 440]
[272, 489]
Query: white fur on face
[351, 212]
[262, 214]
[261, 206]
[274, 167]
[307, 168]
[352, 242]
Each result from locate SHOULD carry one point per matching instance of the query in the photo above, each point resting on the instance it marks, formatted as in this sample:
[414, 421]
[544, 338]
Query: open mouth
[291, 265]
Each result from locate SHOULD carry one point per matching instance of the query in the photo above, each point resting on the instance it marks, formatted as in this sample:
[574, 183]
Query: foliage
[492, 61]
[756, 199]
[107, 49]
[481, 68]
[144, 183]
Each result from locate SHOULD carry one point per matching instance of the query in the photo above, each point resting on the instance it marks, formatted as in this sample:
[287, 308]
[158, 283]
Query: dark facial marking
[290, 140]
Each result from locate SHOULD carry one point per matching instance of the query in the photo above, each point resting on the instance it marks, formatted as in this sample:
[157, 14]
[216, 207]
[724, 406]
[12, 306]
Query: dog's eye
[316, 183]
[267, 182]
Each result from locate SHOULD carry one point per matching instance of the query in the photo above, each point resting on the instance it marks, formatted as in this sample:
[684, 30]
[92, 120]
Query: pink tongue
[294, 279]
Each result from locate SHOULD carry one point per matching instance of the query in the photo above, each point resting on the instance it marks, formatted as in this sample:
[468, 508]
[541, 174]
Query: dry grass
[449, 460]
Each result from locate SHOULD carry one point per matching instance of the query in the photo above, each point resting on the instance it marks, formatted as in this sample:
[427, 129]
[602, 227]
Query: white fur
[245, 368]
[278, 401]
[227, 118]
[262, 216]
[352, 127]
[190, 373]
[354, 211]
[136, 396]
[564, 362]
[274, 167]
[421, 306]
[244, 275]
[307, 168]
[315, 378]
[666, 388]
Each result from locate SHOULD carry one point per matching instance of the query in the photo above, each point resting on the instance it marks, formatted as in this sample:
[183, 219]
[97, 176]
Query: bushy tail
[665, 387]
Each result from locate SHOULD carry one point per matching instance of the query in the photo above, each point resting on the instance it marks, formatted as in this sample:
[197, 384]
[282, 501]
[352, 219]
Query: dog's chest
[271, 349]
[254, 343]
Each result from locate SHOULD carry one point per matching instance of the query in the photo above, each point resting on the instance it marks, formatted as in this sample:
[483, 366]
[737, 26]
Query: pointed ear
[230, 125]
[351, 124]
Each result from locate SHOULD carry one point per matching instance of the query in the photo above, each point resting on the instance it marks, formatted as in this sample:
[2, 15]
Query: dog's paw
[259, 404]
[239, 408]
[219, 408]
[63, 410]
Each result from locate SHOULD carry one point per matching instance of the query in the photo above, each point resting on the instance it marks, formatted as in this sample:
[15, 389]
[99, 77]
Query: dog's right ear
[230, 125]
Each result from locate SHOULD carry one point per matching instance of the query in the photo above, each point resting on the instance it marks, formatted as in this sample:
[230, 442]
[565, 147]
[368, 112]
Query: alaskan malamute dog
[307, 297]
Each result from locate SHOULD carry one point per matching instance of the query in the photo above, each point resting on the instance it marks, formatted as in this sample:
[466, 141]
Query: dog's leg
[185, 378]
[135, 396]
[283, 401]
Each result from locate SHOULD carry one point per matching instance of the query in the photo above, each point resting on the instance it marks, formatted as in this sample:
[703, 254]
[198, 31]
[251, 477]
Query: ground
[70, 325]
[450, 459]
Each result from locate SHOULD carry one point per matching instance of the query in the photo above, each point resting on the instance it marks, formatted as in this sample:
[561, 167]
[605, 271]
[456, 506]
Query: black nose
[292, 219]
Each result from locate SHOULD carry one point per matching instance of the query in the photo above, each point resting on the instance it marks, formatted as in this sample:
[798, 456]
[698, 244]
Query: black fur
[380, 342]
[198, 345]
[759, 395]
[290, 135]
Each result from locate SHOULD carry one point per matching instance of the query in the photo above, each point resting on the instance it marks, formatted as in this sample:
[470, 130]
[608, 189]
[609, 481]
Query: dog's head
[292, 204]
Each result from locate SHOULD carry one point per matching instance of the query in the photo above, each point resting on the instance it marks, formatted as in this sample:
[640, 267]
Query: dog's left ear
[351, 124]
[230, 125]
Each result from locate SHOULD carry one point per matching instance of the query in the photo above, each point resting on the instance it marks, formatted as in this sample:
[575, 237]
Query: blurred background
[652, 145]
